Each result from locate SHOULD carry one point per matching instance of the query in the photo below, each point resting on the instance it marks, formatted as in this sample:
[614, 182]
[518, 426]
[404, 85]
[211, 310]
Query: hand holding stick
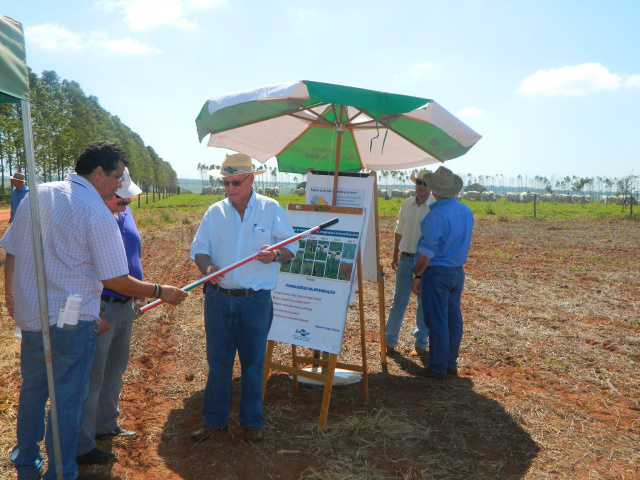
[224, 270]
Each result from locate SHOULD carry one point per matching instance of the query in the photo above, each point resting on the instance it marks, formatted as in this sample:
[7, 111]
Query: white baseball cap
[128, 189]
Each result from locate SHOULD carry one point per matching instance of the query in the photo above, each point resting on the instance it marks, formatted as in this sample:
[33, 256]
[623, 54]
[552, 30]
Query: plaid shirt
[81, 246]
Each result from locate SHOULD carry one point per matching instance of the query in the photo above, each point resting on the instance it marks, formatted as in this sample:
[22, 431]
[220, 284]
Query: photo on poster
[345, 270]
[307, 268]
[310, 250]
[321, 251]
[296, 262]
[318, 269]
[286, 266]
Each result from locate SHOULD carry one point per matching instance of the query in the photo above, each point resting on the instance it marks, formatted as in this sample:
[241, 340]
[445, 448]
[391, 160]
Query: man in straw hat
[18, 192]
[439, 274]
[237, 306]
[100, 410]
[407, 234]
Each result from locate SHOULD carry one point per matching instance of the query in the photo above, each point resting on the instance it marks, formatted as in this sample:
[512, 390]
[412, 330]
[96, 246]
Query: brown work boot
[417, 352]
[253, 435]
[205, 432]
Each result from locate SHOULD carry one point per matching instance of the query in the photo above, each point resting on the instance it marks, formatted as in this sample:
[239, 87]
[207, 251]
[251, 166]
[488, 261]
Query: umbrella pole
[336, 174]
[337, 167]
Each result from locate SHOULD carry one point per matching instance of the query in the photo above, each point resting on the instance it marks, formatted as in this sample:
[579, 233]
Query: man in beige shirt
[407, 234]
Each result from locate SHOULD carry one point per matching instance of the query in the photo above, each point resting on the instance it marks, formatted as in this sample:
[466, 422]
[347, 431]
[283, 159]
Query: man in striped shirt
[82, 251]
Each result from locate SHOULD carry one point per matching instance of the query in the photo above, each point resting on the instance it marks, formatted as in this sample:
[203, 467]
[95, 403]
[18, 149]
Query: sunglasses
[113, 173]
[235, 183]
[421, 182]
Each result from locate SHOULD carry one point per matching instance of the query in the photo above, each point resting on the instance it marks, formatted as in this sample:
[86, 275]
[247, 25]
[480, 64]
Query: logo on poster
[301, 334]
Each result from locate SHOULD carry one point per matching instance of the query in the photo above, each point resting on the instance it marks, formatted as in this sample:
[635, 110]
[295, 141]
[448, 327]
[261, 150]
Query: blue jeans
[100, 410]
[72, 354]
[404, 277]
[441, 292]
[242, 324]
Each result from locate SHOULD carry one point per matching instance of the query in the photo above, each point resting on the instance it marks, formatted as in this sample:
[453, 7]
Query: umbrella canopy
[322, 126]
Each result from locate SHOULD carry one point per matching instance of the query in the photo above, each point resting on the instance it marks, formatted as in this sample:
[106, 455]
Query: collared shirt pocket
[260, 236]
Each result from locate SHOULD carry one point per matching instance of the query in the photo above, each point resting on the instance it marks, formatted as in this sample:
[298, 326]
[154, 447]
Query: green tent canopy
[14, 79]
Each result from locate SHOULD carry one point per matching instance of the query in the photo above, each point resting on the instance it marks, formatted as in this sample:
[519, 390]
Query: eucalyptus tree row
[64, 121]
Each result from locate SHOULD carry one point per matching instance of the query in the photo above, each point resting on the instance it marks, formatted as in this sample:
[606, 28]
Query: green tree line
[64, 121]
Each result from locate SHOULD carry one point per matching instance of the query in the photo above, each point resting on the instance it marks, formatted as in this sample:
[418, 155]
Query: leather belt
[107, 298]
[406, 254]
[234, 292]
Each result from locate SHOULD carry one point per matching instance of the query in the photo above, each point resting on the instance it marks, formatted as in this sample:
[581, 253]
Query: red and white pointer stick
[222, 271]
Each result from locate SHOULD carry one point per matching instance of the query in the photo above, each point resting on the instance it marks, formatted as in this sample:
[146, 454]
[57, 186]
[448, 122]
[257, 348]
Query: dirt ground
[548, 387]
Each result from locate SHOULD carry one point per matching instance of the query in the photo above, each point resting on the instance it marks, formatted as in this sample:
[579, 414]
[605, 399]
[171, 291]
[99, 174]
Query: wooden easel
[329, 361]
[329, 365]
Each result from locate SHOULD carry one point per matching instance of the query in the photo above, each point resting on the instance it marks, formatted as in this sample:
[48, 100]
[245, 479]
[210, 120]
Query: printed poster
[354, 190]
[312, 295]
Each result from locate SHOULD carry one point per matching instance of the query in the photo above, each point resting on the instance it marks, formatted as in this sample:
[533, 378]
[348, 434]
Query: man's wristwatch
[277, 256]
[416, 276]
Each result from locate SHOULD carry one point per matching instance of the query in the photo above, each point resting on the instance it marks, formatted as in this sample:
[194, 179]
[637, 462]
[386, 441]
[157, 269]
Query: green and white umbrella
[322, 126]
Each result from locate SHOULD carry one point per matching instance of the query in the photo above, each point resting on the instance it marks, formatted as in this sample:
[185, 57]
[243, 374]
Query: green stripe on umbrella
[318, 125]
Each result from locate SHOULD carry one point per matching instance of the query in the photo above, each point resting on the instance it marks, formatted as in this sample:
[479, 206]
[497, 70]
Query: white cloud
[129, 45]
[53, 38]
[204, 4]
[306, 15]
[414, 71]
[142, 14]
[575, 80]
[419, 68]
[632, 81]
[145, 14]
[470, 112]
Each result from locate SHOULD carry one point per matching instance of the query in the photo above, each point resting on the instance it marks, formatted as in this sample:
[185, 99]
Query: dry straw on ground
[549, 384]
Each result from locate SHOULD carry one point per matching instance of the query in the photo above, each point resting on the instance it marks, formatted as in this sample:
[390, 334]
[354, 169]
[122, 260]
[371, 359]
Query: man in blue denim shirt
[407, 233]
[442, 252]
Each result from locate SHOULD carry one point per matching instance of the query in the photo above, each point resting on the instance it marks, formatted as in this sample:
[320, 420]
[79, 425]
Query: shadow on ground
[411, 428]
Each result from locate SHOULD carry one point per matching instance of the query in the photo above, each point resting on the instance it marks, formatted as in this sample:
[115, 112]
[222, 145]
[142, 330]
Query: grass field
[190, 203]
[548, 385]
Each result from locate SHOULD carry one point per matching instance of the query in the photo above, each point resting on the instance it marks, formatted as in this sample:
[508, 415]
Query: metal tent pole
[42, 291]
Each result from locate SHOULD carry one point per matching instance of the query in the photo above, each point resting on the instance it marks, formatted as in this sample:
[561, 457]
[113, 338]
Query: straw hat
[18, 176]
[236, 164]
[128, 188]
[420, 175]
[443, 182]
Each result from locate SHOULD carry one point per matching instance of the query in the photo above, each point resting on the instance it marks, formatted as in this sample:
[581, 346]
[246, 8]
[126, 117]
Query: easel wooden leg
[363, 342]
[267, 366]
[382, 313]
[295, 365]
[326, 396]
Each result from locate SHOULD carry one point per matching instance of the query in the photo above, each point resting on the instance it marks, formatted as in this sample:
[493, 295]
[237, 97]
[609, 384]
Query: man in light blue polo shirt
[237, 306]
[439, 274]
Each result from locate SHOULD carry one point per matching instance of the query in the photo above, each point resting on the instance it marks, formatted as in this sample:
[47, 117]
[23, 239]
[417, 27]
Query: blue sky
[553, 86]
